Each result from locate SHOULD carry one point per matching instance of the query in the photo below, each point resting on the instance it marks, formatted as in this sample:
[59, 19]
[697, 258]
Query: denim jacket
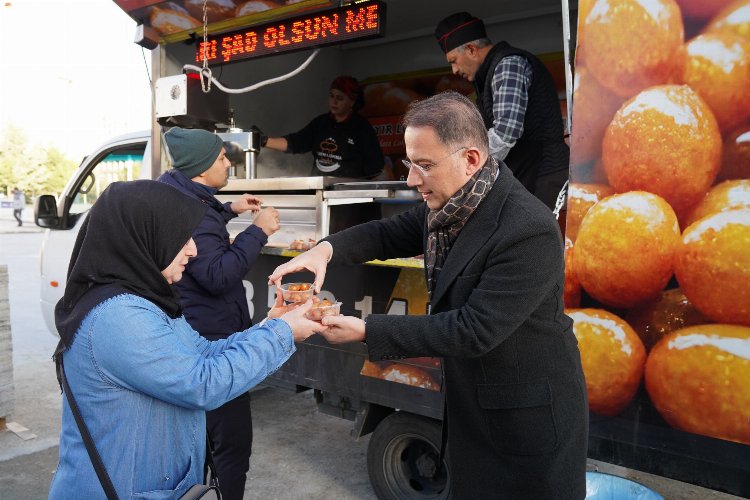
[143, 382]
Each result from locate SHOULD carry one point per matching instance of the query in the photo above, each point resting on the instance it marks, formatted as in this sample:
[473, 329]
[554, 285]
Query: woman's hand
[300, 325]
[315, 260]
[279, 307]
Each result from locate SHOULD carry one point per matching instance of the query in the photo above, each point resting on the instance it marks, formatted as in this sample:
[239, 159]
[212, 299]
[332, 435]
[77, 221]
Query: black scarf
[133, 231]
[444, 225]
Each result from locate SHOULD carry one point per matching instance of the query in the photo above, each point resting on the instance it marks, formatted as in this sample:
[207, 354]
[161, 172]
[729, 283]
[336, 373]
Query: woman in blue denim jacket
[141, 376]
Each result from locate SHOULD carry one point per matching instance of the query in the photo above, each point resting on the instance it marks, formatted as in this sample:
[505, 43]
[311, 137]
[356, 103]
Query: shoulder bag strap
[96, 460]
[210, 465]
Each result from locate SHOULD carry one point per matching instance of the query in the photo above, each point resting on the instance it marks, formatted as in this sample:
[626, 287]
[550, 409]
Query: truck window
[119, 165]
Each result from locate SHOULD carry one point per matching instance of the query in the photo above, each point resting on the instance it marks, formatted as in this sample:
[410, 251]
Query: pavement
[8, 224]
[298, 452]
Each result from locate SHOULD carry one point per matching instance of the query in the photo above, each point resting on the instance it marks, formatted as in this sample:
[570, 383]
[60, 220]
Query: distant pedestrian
[19, 201]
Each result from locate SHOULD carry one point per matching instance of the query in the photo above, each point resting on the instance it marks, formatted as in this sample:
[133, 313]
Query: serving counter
[311, 208]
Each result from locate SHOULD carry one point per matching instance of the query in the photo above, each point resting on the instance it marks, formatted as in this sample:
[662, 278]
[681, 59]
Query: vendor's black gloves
[263, 137]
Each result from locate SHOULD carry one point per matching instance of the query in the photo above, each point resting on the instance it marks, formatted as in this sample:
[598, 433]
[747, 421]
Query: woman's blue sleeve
[135, 346]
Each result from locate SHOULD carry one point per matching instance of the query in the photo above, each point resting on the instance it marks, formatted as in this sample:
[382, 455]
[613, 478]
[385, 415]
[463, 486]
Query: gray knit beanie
[193, 151]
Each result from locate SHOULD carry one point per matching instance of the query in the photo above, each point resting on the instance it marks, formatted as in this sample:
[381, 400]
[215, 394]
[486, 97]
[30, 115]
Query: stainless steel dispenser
[242, 149]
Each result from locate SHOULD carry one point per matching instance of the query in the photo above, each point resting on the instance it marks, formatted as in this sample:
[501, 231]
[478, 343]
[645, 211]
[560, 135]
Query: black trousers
[230, 432]
[17, 215]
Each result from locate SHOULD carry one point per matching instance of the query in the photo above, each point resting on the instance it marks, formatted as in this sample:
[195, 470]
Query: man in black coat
[516, 406]
[518, 102]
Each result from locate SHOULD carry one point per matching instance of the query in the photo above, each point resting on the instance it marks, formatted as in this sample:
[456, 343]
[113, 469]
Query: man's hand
[343, 329]
[246, 202]
[315, 260]
[268, 220]
[300, 325]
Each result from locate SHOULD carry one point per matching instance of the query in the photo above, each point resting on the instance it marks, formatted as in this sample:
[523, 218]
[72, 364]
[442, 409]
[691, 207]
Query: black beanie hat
[193, 151]
[458, 29]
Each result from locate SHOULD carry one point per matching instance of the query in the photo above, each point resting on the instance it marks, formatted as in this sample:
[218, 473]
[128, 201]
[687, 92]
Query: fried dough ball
[388, 99]
[589, 173]
[322, 308]
[455, 83]
[254, 6]
[168, 21]
[394, 101]
[734, 18]
[632, 45]
[736, 161]
[625, 249]
[410, 375]
[722, 197]
[665, 141]
[671, 311]
[370, 369]
[718, 68]
[697, 378]
[296, 287]
[593, 108]
[612, 356]
[572, 287]
[702, 9]
[712, 266]
[297, 292]
[216, 10]
[581, 197]
[584, 7]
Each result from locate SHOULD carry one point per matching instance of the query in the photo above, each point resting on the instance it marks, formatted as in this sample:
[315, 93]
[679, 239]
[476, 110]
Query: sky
[70, 74]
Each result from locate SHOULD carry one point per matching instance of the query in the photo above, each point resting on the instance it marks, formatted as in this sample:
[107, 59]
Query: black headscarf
[133, 231]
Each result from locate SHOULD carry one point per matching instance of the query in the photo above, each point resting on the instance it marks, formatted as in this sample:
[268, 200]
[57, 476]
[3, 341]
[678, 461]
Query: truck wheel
[402, 458]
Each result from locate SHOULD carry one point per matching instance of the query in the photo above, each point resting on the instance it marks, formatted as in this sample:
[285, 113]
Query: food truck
[658, 208]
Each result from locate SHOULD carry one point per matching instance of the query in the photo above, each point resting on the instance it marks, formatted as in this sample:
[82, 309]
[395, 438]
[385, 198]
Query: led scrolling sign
[344, 24]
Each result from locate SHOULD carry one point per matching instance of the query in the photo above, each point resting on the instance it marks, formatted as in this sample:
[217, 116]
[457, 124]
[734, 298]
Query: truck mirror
[45, 211]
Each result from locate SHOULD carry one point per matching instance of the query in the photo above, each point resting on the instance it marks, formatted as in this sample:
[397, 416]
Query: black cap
[457, 29]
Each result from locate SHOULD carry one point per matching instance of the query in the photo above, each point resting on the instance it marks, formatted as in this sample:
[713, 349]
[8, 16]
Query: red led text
[340, 25]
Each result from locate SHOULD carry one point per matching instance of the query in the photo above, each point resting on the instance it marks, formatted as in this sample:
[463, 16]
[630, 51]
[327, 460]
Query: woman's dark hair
[351, 87]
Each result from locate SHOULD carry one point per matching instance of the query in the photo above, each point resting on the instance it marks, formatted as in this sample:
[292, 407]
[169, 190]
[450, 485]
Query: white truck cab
[123, 158]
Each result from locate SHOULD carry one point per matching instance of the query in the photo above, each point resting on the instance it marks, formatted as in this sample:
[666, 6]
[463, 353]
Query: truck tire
[402, 459]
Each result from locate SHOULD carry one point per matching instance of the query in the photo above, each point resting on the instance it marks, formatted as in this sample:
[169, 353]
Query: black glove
[263, 137]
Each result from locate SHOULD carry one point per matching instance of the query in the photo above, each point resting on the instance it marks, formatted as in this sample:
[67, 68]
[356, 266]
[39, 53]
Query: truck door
[116, 161]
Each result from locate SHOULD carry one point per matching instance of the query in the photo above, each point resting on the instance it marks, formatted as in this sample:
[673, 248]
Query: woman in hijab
[141, 376]
[343, 142]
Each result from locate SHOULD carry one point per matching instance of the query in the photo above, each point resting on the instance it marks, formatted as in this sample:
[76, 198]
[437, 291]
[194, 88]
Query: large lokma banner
[658, 227]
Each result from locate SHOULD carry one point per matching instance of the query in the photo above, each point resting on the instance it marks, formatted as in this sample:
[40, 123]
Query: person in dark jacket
[516, 406]
[211, 291]
[518, 102]
[343, 143]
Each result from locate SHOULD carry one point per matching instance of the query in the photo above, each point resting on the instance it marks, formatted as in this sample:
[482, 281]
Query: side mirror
[45, 212]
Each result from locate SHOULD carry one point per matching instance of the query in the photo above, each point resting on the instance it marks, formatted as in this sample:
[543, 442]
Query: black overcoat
[517, 412]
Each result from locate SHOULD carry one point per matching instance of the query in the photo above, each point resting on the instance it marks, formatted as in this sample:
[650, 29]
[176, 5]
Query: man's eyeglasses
[424, 170]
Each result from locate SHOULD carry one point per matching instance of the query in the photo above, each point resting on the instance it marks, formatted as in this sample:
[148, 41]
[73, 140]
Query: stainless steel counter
[314, 207]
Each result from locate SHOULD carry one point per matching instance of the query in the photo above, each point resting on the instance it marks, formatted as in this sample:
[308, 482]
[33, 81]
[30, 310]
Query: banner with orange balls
[658, 221]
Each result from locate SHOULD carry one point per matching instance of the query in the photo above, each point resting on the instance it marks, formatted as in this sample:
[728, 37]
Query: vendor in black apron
[343, 143]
